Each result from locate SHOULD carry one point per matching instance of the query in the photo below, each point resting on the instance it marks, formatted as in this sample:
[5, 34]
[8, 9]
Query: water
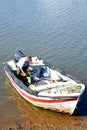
[56, 30]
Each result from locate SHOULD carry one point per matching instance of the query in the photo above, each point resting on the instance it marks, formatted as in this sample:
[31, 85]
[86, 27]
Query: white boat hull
[58, 105]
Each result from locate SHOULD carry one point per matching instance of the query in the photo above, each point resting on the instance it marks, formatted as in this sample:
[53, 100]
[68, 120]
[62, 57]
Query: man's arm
[22, 72]
[30, 68]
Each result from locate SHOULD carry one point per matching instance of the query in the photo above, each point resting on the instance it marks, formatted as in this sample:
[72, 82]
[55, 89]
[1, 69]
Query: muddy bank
[26, 123]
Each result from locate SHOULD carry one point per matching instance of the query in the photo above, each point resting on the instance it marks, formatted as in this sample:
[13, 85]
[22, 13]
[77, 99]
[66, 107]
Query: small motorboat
[46, 87]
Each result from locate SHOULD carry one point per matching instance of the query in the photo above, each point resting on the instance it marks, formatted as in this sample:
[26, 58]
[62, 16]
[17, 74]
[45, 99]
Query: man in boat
[24, 67]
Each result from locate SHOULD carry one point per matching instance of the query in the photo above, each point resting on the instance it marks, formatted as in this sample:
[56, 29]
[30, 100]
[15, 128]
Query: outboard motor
[18, 55]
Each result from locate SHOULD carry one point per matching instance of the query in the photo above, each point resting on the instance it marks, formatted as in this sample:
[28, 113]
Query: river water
[56, 30]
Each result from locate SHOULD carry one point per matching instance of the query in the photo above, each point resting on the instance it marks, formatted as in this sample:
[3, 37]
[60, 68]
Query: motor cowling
[18, 55]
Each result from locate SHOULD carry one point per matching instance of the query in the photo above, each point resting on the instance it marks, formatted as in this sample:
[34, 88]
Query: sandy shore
[27, 124]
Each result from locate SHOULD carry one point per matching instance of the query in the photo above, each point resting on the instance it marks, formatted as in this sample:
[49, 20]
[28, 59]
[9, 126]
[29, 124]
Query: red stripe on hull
[46, 100]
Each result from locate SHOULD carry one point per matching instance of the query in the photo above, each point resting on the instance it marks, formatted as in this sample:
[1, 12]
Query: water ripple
[55, 30]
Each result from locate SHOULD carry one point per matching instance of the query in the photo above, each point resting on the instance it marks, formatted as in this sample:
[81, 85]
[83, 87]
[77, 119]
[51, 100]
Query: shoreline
[27, 124]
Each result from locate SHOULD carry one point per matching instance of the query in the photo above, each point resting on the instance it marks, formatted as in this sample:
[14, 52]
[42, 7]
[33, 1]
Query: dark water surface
[56, 30]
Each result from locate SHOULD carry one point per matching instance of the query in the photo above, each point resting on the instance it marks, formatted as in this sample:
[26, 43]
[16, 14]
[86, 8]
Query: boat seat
[41, 82]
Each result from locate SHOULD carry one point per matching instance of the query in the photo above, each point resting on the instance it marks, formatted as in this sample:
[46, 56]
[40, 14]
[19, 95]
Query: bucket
[30, 79]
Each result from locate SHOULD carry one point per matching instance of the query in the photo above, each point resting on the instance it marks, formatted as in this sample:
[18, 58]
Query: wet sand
[28, 117]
